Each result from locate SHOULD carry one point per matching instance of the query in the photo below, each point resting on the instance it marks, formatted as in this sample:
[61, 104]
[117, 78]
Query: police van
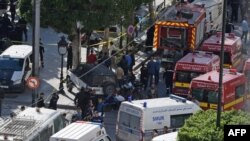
[32, 124]
[15, 67]
[81, 131]
[137, 119]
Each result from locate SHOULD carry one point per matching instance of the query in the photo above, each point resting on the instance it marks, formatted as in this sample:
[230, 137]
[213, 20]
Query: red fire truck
[204, 88]
[183, 27]
[191, 66]
[232, 49]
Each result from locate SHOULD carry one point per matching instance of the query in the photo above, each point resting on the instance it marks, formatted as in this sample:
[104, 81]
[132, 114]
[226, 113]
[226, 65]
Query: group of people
[87, 106]
[150, 75]
[53, 101]
[9, 27]
[242, 6]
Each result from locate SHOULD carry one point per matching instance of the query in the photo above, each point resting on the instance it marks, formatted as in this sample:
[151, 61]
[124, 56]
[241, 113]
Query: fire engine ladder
[19, 127]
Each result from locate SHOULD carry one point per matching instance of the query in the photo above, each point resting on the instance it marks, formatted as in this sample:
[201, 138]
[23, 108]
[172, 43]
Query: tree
[202, 125]
[62, 15]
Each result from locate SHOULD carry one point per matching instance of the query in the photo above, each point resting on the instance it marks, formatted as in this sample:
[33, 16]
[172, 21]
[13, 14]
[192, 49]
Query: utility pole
[221, 63]
[35, 43]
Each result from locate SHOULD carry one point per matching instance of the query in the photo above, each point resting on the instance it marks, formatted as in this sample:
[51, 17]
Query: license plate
[1, 86]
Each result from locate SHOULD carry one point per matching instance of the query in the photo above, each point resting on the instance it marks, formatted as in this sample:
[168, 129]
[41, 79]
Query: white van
[15, 67]
[82, 131]
[137, 119]
[166, 137]
[32, 124]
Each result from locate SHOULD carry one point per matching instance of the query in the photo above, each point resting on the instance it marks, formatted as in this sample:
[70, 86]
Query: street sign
[33, 82]
[130, 30]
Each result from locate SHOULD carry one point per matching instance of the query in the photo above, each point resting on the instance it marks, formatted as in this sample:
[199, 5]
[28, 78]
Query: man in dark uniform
[41, 51]
[69, 57]
[235, 4]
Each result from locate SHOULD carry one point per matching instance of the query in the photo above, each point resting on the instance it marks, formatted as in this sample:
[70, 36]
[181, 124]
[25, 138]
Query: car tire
[108, 88]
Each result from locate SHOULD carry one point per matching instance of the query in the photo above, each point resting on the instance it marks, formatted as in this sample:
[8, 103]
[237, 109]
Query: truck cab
[204, 88]
[191, 66]
[15, 67]
[232, 49]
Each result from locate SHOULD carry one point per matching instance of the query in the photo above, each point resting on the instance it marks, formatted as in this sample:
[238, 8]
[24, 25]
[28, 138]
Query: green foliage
[93, 14]
[202, 125]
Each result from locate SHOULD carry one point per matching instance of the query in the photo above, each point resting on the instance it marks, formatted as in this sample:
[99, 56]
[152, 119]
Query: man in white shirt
[245, 29]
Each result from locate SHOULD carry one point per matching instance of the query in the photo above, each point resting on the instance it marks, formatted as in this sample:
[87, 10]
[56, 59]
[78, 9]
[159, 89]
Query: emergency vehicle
[191, 66]
[137, 119]
[204, 88]
[232, 49]
[184, 26]
[81, 131]
[246, 71]
[32, 124]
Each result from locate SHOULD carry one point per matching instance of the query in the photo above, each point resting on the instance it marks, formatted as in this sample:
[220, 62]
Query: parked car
[96, 77]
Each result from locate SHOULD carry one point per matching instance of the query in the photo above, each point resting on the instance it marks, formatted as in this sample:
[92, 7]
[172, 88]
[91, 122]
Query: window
[173, 37]
[227, 57]
[198, 94]
[239, 91]
[11, 64]
[178, 121]
[58, 124]
[129, 121]
[203, 95]
[46, 133]
[182, 76]
[212, 97]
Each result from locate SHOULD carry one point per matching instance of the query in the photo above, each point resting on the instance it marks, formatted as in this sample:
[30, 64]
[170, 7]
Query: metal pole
[33, 46]
[61, 78]
[221, 64]
[35, 43]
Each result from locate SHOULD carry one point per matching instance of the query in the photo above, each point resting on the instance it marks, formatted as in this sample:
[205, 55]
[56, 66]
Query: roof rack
[19, 127]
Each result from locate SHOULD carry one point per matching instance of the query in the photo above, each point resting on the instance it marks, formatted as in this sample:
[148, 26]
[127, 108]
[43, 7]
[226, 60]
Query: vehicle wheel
[109, 88]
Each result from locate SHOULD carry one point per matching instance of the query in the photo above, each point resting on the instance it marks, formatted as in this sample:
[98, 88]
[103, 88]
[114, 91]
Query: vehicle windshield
[227, 57]
[203, 95]
[173, 38]
[182, 76]
[129, 122]
[15, 64]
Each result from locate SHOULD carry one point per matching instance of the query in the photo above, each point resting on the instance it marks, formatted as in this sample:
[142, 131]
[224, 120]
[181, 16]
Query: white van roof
[171, 101]
[166, 137]
[39, 114]
[79, 131]
[24, 125]
[18, 51]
